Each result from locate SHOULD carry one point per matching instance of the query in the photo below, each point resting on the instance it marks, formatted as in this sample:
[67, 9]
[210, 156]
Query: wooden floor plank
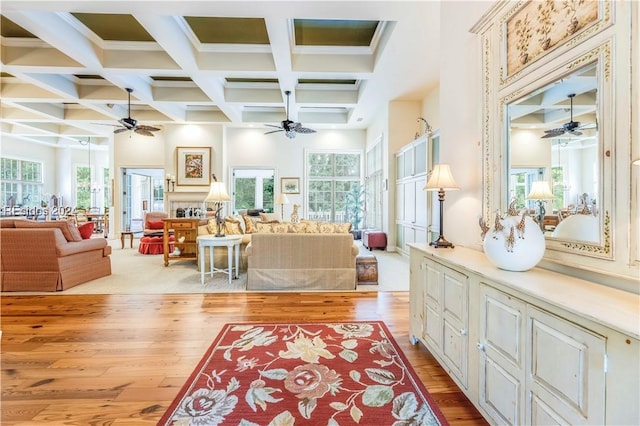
[121, 359]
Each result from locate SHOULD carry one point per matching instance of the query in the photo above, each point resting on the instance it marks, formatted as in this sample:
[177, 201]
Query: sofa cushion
[75, 232]
[86, 230]
[271, 228]
[63, 225]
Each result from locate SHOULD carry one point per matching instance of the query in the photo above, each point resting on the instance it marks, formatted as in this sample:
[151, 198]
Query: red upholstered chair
[153, 245]
[153, 224]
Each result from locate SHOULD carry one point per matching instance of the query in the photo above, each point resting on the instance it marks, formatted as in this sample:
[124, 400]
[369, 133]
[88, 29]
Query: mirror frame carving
[495, 148]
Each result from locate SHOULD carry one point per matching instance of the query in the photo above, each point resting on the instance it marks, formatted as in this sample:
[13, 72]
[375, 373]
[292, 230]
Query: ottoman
[153, 245]
[374, 239]
[367, 269]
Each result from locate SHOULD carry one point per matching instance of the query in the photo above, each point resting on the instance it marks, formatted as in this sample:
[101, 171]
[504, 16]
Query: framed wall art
[290, 185]
[193, 165]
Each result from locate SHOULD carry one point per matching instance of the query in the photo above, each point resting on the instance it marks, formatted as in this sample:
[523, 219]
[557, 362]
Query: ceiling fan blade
[303, 130]
[143, 132]
[147, 128]
[273, 125]
[553, 133]
[106, 124]
[575, 132]
[274, 131]
[121, 129]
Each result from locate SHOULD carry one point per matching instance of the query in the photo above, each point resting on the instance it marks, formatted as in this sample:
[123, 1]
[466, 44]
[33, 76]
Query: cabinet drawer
[182, 225]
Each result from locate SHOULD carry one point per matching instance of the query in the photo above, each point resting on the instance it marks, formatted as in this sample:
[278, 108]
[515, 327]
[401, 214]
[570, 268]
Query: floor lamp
[217, 195]
[282, 200]
[441, 180]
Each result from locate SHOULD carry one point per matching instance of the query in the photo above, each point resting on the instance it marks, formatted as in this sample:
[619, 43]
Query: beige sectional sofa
[301, 261]
[49, 256]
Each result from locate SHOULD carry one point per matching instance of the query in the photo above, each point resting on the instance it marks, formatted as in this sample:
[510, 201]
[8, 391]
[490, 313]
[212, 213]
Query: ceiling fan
[290, 128]
[571, 127]
[130, 124]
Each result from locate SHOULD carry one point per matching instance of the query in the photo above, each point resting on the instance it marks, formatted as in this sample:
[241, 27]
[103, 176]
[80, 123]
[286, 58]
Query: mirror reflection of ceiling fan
[290, 128]
[130, 124]
[571, 127]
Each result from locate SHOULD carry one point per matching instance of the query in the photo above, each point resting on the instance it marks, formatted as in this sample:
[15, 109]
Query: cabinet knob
[480, 347]
[463, 332]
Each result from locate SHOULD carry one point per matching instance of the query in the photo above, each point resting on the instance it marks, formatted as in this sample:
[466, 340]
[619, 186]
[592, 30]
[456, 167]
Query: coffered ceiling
[66, 64]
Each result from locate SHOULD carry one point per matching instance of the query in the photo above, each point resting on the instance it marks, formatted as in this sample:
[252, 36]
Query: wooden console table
[185, 232]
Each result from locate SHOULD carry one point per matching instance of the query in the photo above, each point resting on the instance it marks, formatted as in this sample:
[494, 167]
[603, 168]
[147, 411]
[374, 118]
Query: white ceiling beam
[60, 34]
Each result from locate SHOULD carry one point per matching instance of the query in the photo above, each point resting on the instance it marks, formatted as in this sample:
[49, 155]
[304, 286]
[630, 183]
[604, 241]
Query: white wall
[461, 118]
[56, 164]
[251, 147]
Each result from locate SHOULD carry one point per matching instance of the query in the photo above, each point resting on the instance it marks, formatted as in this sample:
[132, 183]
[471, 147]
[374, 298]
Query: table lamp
[441, 180]
[282, 200]
[540, 191]
[217, 195]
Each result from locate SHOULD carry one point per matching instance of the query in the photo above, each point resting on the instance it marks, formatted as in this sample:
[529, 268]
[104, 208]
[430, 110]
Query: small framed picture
[290, 185]
[193, 165]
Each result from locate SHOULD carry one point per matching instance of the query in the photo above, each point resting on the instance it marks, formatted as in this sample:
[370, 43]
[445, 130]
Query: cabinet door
[410, 202]
[433, 310]
[400, 202]
[455, 348]
[420, 216]
[420, 157]
[417, 290]
[565, 372]
[502, 342]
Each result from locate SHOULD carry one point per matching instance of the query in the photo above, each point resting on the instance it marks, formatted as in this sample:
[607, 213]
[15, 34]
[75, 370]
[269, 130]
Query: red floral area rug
[313, 374]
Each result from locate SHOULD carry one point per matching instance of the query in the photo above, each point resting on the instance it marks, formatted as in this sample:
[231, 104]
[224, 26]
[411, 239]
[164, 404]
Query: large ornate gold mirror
[555, 149]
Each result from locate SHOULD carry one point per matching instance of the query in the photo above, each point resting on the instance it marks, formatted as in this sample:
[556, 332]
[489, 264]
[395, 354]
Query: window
[557, 178]
[332, 176]
[520, 184]
[253, 189]
[374, 187]
[83, 187]
[21, 183]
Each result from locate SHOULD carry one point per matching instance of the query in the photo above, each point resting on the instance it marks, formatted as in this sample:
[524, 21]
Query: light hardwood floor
[121, 359]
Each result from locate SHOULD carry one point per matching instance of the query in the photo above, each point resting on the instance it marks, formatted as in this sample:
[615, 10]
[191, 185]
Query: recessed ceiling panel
[228, 30]
[8, 28]
[251, 80]
[169, 78]
[331, 32]
[348, 82]
[114, 27]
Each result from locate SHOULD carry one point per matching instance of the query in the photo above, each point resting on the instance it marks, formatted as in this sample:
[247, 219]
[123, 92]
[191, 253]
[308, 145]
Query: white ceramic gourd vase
[514, 242]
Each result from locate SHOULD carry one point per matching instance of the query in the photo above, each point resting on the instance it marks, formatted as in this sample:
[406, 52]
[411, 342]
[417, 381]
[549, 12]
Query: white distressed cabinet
[534, 347]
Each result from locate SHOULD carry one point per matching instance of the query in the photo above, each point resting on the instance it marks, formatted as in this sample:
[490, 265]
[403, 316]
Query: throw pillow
[269, 217]
[86, 230]
[249, 223]
[232, 226]
[156, 224]
[75, 232]
[311, 227]
[297, 228]
[272, 227]
[212, 226]
[335, 228]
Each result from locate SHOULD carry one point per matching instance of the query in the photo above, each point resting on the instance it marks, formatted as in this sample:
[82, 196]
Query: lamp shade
[282, 199]
[540, 190]
[441, 178]
[217, 192]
